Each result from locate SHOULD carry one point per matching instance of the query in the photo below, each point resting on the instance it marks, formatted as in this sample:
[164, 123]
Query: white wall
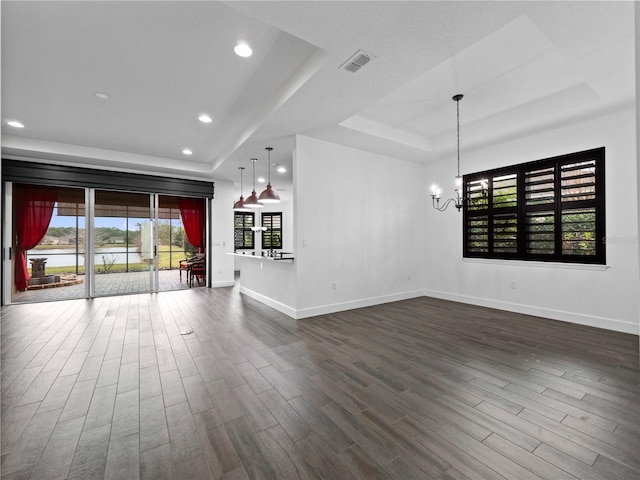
[361, 217]
[637, 13]
[222, 234]
[602, 298]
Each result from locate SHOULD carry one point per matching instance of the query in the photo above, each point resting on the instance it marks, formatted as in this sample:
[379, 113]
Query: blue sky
[57, 221]
[118, 222]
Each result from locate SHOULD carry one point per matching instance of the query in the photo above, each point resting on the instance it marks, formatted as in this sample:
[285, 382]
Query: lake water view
[63, 257]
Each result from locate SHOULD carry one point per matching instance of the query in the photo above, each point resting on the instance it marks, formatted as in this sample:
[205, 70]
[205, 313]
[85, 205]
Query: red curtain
[192, 212]
[33, 208]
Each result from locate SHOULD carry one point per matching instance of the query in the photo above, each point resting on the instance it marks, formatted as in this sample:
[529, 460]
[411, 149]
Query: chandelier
[458, 201]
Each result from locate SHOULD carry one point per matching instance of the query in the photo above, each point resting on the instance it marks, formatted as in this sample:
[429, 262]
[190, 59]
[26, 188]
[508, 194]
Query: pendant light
[239, 205]
[458, 202]
[269, 195]
[252, 201]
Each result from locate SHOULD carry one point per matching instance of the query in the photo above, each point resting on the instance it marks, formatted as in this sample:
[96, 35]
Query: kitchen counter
[277, 257]
[270, 280]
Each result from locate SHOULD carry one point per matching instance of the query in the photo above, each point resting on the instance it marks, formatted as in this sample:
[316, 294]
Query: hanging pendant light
[458, 202]
[239, 205]
[269, 195]
[252, 201]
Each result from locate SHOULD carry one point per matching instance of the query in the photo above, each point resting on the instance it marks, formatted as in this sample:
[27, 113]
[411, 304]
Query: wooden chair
[198, 270]
[185, 264]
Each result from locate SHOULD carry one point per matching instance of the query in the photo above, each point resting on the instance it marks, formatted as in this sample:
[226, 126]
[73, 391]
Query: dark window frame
[245, 231]
[267, 221]
[527, 224]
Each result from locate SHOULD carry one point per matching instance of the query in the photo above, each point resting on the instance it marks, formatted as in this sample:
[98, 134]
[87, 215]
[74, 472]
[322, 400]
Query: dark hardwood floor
[420, 389]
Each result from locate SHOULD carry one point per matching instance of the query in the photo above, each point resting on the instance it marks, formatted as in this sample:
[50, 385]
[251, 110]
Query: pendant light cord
[268, 149]
[253, 161]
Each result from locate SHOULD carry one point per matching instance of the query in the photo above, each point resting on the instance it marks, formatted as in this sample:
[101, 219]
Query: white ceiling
[522, 66]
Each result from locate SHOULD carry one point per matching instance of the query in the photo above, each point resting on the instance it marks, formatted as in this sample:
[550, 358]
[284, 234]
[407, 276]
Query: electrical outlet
[513, 284]
[334, 285]
[305, 243]
[409, 277]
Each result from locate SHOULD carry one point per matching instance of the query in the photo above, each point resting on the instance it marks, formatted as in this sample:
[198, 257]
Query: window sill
[523, 263]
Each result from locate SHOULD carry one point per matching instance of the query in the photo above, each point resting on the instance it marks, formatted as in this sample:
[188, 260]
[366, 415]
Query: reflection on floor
[108, 284]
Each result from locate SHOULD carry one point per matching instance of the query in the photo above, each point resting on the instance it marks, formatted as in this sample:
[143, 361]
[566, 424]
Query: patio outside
[114, 284]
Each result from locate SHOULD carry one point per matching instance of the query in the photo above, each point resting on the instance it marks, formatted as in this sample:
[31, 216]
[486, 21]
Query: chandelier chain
[458, 123]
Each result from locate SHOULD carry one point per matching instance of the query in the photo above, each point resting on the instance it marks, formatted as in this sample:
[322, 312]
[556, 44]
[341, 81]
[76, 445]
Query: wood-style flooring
[419, 389]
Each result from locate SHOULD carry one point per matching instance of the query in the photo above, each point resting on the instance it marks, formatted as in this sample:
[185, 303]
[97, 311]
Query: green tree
[179, 238]
[165, 232]
[60, 231]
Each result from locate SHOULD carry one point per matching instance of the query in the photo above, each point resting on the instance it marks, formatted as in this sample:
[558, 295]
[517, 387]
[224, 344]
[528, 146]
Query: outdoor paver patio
[107, 285]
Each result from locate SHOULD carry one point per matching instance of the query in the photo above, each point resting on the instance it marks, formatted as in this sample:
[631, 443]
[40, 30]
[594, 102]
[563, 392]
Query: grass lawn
[71, 246]
[164, 262]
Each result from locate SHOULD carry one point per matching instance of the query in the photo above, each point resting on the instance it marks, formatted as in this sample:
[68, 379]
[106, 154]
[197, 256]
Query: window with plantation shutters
[243, 236]
[272, 235]
[547, 210]
[504, 224]
[540, 211]
[578, 197]
[476, 218]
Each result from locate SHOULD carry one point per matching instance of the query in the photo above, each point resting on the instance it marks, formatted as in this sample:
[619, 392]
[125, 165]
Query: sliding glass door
[68, 243]
[48, 244]
[123, 243]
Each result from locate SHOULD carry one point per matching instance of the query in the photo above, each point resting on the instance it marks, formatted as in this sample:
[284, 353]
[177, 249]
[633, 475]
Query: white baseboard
[279, 306]
[570, 317]
[350, 305]
[579, 318]
[223, 283]
[332, 308]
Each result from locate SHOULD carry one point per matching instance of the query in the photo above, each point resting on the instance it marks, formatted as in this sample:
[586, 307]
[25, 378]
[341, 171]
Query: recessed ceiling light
[204, 118]
[281, 169]
[15, 123]
[260, 180]
[243, 50]
[102, 96]
[186, 151]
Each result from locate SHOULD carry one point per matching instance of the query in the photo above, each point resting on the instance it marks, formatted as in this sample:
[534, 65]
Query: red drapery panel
[192, 213]
[33, 208]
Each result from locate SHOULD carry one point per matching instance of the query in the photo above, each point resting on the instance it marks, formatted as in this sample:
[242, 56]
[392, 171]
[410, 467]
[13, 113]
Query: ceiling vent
[356, 62]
